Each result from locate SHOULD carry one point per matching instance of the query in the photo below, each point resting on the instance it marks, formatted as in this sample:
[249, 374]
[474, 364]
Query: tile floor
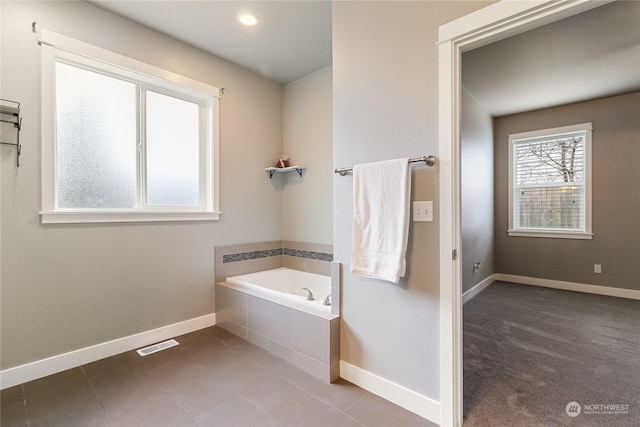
[213, 378]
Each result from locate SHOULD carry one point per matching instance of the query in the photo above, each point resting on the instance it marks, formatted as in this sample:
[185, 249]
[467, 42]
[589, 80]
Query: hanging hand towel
[381, 193]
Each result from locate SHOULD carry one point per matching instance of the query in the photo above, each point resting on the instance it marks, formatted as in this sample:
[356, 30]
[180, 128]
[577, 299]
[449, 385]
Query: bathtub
[269, 309]
[284, 286]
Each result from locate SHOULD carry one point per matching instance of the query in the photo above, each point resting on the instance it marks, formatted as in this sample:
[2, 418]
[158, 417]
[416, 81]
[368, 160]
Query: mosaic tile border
[244, 256]
[320, 256]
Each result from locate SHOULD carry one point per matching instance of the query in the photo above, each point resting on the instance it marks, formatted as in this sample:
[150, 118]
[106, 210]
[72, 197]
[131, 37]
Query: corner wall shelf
[273, 170]
[11, 114]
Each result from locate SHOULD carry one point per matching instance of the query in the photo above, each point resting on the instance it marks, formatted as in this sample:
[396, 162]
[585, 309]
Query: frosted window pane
[172, 151]
[96, 140]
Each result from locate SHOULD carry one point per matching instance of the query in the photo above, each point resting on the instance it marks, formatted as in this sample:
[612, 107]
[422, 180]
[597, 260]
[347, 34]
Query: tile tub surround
[311, 343]
[309, 257]
[277, 337]
[233, 260]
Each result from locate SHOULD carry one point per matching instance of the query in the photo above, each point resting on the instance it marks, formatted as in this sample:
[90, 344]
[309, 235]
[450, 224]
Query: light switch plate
[423, 210]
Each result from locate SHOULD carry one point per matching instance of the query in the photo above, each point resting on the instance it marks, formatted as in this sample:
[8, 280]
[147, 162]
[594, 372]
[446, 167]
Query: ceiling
[291, 39]
[591, 55]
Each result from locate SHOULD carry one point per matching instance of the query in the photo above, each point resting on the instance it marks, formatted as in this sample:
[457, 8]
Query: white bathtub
[284, 286]
[269, 309]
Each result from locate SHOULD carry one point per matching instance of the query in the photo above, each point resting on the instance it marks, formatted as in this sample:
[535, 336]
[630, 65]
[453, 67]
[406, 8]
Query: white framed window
[124, 141]
[550, 183]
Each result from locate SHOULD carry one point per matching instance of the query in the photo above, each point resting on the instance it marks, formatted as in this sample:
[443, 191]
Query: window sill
[550, 234]
[84, 217]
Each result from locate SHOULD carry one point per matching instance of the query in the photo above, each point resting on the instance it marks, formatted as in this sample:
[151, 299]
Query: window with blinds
[550, 180]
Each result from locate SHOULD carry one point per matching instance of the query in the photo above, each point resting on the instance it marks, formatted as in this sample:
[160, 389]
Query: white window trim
[546, 233]
[55, 45]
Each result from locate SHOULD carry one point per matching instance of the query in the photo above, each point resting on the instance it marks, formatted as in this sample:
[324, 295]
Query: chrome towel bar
[428, 160]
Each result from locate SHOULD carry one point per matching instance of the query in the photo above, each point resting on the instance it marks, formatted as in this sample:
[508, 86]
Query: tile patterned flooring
[213, 378]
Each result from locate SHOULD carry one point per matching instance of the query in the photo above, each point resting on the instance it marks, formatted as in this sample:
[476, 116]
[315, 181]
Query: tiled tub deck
[307, 341]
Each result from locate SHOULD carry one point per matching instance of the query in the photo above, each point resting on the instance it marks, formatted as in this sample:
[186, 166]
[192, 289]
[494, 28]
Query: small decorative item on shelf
[283, 162]
[283, 166]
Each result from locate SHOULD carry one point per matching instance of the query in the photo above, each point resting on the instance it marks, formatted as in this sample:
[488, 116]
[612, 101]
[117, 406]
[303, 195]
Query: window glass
[173, 169]
[96, 140]
[549, 183]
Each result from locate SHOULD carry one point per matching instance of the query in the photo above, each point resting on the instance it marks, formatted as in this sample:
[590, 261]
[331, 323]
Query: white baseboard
[569, 286]
[548, 283]
[401, 396]
[51, 365]
[478, 288]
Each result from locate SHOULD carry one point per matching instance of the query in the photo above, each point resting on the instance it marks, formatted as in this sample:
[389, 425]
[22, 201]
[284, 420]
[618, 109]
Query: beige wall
[476, 178]
[385, 81]
[308, 139]
[66, 287]
[616, 198]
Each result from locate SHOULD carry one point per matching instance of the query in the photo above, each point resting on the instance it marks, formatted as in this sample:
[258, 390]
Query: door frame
[492, 23]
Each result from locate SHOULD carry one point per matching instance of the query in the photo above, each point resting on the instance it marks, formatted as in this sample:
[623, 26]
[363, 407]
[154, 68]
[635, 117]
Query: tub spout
[327, 300]
[309, 294]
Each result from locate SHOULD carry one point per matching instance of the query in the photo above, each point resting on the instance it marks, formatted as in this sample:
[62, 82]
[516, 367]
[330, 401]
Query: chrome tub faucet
[309, 294]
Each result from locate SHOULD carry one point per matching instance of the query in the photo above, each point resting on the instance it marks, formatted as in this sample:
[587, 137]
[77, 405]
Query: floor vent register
[157, 347]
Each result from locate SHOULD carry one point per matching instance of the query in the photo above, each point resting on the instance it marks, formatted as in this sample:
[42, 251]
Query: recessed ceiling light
[247, 19]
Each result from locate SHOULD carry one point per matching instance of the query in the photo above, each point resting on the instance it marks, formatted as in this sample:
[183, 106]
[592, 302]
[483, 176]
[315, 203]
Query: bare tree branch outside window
[549, 181]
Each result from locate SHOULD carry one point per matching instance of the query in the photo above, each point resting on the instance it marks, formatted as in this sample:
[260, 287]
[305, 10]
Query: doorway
[496, 22]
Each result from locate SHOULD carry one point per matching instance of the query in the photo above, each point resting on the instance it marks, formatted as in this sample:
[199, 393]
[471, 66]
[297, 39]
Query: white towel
[381, 193]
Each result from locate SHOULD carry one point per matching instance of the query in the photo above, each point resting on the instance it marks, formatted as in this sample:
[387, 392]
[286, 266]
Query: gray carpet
[530, 351]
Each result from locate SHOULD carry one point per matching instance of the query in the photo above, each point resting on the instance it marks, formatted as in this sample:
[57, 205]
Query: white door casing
[495, 22]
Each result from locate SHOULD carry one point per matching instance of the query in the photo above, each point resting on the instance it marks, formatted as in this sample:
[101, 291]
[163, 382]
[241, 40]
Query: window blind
[549, 183]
